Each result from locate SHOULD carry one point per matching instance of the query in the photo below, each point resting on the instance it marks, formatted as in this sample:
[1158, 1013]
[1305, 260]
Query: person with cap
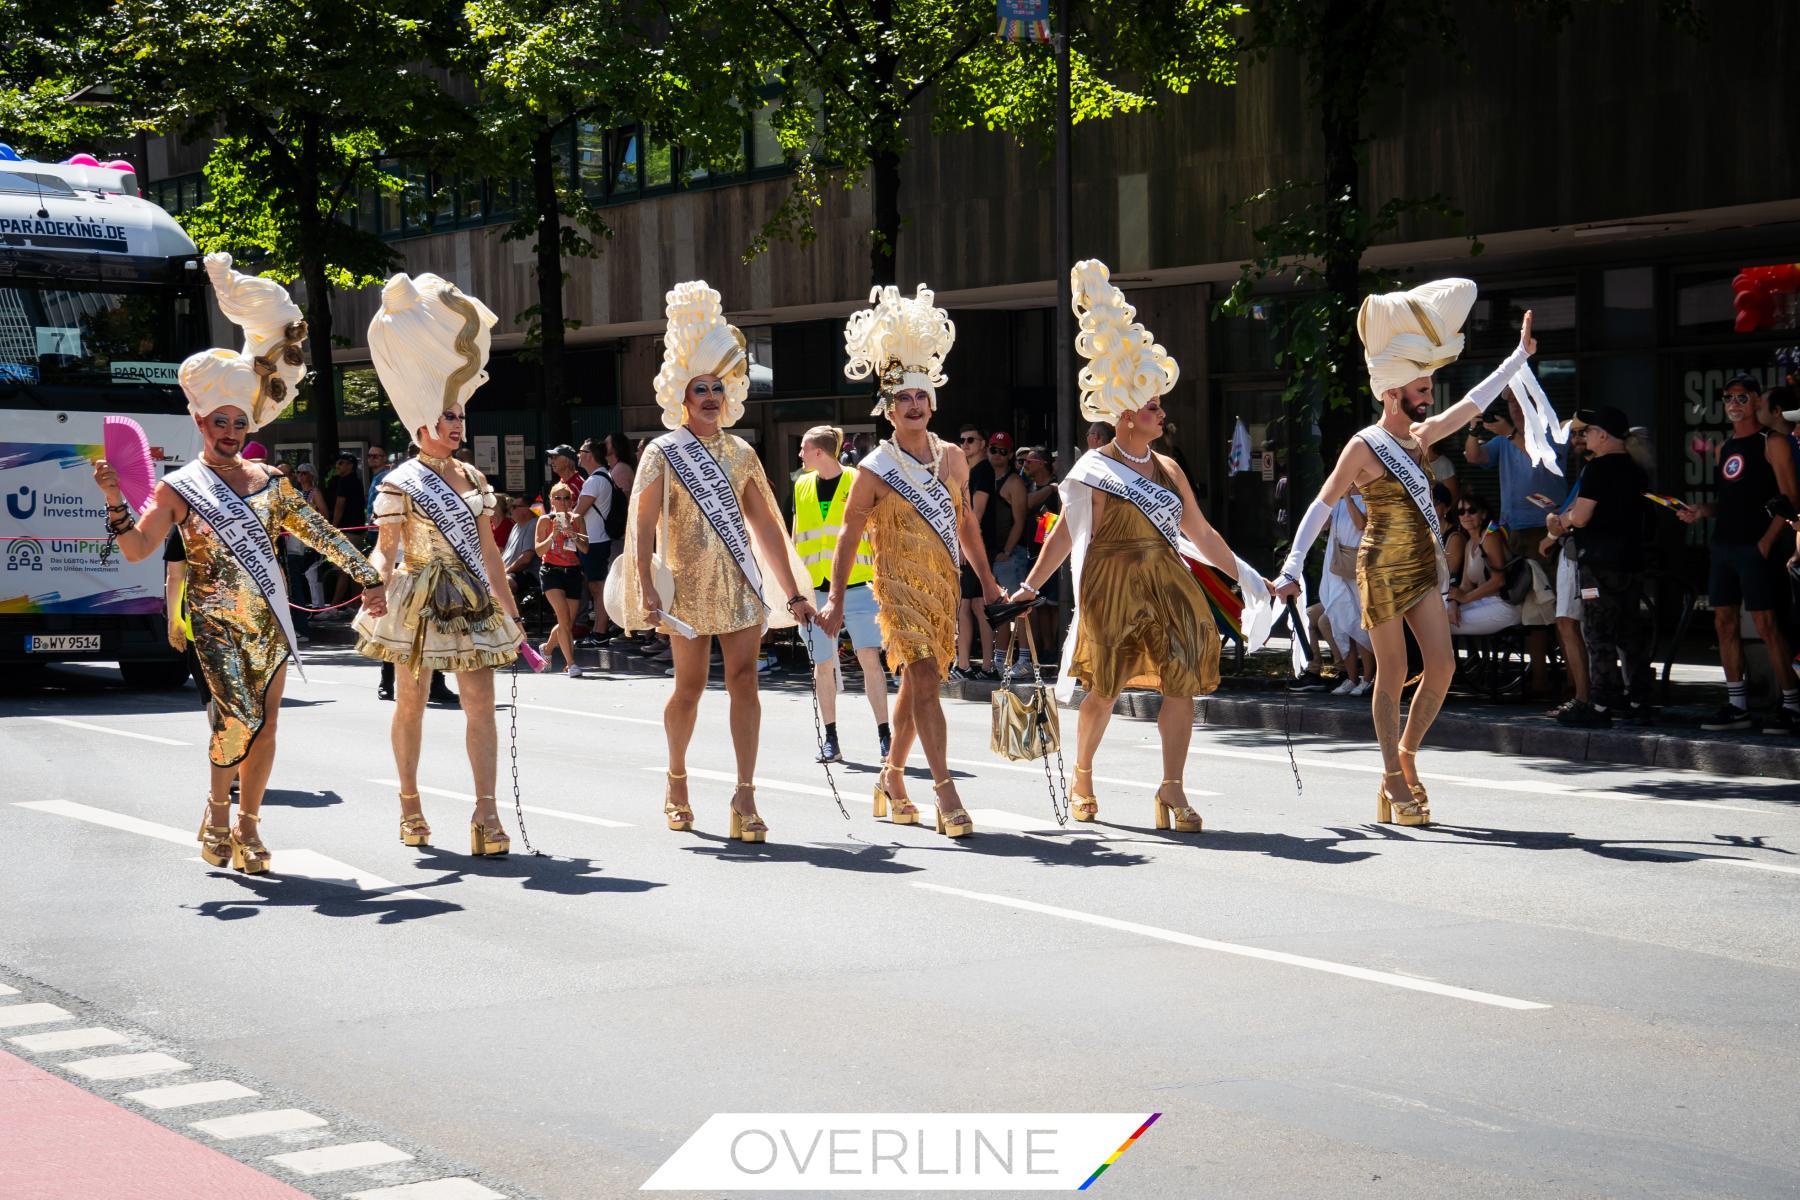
[229, 511]
[1606, 522]
[1754, 469]
[565, 468]
[1141, 619]
[1568, 584]
[705, 554]
[451, 608]
[912, 496]
[1401, 572]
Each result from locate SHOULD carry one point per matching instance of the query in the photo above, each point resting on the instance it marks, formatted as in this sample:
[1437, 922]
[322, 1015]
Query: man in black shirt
[344, 501]
[1607, 523]
[1753, 469]
[970, 619]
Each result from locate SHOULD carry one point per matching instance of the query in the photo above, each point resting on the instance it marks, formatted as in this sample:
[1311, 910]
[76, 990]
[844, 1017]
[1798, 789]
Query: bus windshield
[95, 336]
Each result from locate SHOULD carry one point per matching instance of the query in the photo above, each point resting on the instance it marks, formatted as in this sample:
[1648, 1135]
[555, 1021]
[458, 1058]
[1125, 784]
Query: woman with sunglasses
[1477, 557]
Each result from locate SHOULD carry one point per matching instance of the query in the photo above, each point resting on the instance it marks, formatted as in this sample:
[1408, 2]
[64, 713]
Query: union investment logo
[914, 1152]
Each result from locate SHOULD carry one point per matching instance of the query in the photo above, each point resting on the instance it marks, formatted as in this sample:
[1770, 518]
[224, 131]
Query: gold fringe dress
[1144, 622]
[440, 616]
[236, 636]
[916, 585]
[1397, 564]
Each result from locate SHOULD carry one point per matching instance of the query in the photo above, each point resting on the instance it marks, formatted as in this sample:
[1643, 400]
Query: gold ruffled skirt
[916, 587]
[1143, 620]
[439, 619]
[1397, 564]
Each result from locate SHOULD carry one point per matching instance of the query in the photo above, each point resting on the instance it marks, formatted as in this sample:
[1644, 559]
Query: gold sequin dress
[236, 636]
[440, 616]
[711, 593]
[1397, 564]
[1144, 622]
[916, 585]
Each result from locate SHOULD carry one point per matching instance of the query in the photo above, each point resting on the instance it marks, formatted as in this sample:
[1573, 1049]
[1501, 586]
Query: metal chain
[518, 804]
[1287, 697]
[1059, 791]
[819, 720]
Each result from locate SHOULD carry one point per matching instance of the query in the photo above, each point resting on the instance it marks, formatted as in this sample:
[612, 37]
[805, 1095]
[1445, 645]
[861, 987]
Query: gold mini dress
[1143, 620]
[440, 616]
[236, 636]
[1397, 564]
[916, 585]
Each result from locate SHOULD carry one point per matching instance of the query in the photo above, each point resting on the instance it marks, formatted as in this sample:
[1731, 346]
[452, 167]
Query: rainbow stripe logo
[1119, 1153]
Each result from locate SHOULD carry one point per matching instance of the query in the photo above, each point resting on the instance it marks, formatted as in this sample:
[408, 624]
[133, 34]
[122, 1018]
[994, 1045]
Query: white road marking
[181, 1095]
[69, 1039]
[14, 1015]
[993, 818]
[584, 818]
[124, 733]
[105, 816]
[1117, 781]
[258, 1124]
[582, 712]
[773, 785]
[321, 868]
[8, 991]
[127, 1066]
[348, 1157]
[1724, 860]
[431, 1189]
[1275, 956]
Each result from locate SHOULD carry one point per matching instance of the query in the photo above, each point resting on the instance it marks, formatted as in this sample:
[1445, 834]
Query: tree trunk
[548, 207]
[310, 231]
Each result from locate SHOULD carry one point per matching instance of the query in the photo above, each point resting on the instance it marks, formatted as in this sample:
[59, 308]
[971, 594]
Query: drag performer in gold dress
[437, 551]
[911, 494]
[228, 512]
[1400, 568]
[1129, 516]
[705, 552]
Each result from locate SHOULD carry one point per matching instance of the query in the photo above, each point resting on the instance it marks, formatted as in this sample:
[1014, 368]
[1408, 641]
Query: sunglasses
[969, 441]
[1470, 512]
[1000, 451]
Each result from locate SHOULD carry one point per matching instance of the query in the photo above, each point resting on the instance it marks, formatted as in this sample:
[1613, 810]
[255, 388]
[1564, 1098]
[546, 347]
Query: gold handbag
[1343, 561]
[1025, 721]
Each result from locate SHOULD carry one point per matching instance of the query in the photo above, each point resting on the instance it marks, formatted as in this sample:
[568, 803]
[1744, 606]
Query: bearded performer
[436, 548]
[229, 512]
[1129, 520]
[1400, 569]
[911, 494]
[705, 552]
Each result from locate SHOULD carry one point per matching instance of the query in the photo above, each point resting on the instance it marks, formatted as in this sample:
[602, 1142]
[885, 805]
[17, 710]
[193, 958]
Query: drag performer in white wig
[911, 494]
[705, 552]
[1129, 518]
[450, 608]
[1400, 568]
[229, 512]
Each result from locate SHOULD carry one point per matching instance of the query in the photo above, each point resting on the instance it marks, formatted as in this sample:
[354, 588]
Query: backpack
[616, 510]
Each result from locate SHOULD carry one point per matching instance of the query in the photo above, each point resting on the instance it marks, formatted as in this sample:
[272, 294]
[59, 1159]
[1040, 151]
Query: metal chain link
[819, 720]
[1287, 697]
[1059, 791]
[518, 804]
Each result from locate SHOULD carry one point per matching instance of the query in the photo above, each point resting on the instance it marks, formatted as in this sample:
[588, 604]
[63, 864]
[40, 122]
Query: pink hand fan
[532, 658]
[127, 451]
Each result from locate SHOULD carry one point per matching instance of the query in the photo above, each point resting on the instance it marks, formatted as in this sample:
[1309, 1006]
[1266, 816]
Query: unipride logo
[24, 554]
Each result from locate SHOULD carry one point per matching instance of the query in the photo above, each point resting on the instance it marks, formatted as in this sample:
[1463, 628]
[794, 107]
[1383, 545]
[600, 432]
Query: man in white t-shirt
[598, 495]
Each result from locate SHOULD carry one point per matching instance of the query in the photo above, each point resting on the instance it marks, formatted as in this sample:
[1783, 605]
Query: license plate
[61, 643]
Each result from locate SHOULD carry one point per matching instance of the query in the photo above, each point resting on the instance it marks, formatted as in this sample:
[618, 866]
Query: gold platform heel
[215, 840]
[1084, 806]
[488, 841]
[1183, 816]
[249, 855]
[681, 816]
[955, 823]
[1411, 812]
[905, 811]
[413, 829]
[747, 827]
[1421, 799]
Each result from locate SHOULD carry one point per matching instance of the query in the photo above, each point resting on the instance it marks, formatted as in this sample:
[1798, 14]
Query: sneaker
[1309, 682]
[957, 674]
[1578, 715]
[1637, 714]
[1021, 670]
[1345, 688]
[1781, 719]
[830, 753]
[768, 664]
[385, 692]
[1362, 688]
[1728, 717]
[1569, 705]
[574, 672]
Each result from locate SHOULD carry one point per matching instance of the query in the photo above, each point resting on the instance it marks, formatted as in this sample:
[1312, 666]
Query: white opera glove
[1483, 393]
[1318, 513]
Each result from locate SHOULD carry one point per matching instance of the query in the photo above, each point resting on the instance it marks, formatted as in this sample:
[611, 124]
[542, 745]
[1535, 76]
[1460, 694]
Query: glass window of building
[659, 165]
[590, 159]
[625, 160]
[765, 147]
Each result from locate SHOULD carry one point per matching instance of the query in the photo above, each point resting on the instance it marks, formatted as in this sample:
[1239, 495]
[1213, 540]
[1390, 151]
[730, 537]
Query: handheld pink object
[532, 658]
[127, 451]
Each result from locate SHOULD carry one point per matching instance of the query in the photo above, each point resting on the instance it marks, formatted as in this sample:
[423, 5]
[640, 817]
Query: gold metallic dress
[916, 586]
[439, 617]
[1144, 622]
[711, 593]
[1397, 564]
[236, 636]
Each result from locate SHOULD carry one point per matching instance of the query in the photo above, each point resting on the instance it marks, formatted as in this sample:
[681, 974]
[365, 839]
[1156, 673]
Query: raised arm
[153, 524]
[1436, 428]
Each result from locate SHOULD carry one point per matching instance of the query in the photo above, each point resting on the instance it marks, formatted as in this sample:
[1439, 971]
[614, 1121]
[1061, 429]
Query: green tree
[51, 52]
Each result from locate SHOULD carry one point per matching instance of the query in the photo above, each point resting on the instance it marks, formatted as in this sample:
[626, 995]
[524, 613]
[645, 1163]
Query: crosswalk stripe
[181, 1095]
[12, 1015]
[258, 1124]
[103, 816]
[124, 733]
[348, 1157]
[68, 1039]
[459, 1188]
[127, 1066]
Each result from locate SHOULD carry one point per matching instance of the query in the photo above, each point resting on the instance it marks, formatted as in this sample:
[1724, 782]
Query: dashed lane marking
[104, 816]
[350, 1156]
[584, 818]
[124, 733]
[259, 1124]
[127, 1066]
[68, 1039]
[1115, 780]
[430, 1189]
[181, 1095]
[994, 818]
[14, 1015]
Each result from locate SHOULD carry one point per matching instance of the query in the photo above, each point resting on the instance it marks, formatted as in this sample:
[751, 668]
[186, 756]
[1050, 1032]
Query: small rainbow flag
[1101, 1170]
[1666, 501]
[1227, 608]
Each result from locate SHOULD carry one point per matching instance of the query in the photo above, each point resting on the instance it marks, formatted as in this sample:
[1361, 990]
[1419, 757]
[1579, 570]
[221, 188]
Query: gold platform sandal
[681, 816]
[1184, 818]
[249, 855]
[747, 827]
[488, 841]
[956, 823]
[413, 829]
[1390, 811]
[904, 810]
[1420, 798]
[1084, 806]
[215, 840]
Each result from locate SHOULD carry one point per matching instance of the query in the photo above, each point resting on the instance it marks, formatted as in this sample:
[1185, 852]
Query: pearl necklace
[907, 464]
[1128, 456]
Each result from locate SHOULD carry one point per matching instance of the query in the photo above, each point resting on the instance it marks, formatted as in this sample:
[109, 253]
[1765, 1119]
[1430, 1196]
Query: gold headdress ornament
[430, 346]
[903, 339]
[700, 341]
[1126, 369]
[1406, 335]
[260, 378]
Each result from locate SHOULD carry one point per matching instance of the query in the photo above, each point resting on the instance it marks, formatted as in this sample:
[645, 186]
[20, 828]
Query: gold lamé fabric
[1397, 564]
[1143, 620]
[440, 616]
[711, 593]
[236, 637]
[916, 584]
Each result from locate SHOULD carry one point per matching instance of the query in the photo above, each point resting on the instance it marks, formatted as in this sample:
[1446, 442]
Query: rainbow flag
[1227, 609]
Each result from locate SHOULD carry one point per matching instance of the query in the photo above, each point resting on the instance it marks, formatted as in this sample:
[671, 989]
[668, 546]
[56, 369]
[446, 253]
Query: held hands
[374, 599]
[831, 617]
[1021, 595]
[802, 610]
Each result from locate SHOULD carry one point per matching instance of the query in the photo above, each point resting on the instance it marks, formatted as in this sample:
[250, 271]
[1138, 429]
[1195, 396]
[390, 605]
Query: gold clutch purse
[1025, 721]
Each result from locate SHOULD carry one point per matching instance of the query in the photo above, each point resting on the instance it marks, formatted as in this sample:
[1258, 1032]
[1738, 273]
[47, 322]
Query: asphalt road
[1581, 983]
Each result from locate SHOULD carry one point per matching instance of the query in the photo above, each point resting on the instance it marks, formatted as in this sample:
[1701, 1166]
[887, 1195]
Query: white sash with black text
[1161, 506]
[710, 486]
[432, 495]
[932, 501]
[1413, 477]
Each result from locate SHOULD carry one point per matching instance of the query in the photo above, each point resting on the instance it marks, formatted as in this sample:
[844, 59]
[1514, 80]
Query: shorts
[1527, 543]
[971, 583]
[1741, 578]
[562, 579]
[1010, 570]
[859, 622]
[1568, 585]
[595, 560]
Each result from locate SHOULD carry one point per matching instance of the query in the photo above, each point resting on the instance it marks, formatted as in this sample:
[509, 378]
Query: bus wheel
[157, 675]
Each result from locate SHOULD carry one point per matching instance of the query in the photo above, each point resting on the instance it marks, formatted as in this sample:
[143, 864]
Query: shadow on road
[327, 898]
[537, 872]
[289, 798]
[1640, 850]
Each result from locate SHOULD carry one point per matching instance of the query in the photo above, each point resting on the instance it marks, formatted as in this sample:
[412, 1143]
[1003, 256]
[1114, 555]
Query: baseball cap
[564, 450]
[1000, 440]
[1607, 418]
[1749, 383]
